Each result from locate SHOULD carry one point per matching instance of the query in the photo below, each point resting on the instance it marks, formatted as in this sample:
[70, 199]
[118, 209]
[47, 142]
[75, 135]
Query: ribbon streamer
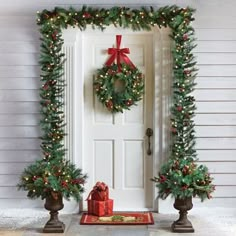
[119, 54]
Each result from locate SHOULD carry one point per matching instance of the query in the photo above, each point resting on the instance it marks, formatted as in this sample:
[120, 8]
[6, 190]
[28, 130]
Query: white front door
[115, 145]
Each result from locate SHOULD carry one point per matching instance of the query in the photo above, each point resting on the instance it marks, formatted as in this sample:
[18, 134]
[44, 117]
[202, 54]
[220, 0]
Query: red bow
[119, 55]
[100, 192]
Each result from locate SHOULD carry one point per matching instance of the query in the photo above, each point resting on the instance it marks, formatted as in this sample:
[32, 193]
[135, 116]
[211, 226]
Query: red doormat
[118, 218]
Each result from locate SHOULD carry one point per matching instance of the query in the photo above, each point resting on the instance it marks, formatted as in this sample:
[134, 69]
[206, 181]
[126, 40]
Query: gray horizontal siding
[19, 104]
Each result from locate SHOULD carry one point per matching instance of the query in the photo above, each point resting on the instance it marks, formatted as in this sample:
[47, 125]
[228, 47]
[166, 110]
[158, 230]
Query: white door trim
[74, 97]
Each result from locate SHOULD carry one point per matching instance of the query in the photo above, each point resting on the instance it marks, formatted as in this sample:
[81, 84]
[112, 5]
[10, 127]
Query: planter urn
[183, 225]
[54, 203]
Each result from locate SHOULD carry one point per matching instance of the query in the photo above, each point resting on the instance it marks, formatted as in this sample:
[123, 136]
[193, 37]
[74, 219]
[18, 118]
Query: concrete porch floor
[206, 221]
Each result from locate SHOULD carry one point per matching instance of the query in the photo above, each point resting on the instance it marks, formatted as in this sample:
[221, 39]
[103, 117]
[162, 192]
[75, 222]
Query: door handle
[149, 133]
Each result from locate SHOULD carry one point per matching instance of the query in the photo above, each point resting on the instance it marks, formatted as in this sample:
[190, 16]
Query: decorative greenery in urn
[53, 177]
[52, 180]
[180, 176]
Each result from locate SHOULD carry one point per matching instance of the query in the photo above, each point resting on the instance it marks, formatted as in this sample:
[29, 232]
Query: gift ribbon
[119, 54]
[100, 186]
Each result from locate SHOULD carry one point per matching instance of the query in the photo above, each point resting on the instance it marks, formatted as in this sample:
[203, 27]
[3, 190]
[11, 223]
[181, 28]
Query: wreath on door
[119, 85]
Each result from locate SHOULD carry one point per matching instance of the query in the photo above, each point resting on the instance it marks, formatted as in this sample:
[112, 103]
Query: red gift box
[100, 208]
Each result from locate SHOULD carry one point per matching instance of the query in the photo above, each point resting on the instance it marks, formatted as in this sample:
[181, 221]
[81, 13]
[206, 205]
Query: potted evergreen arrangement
[180, 176]
[53, 181]
[183, 179]
[52, 177]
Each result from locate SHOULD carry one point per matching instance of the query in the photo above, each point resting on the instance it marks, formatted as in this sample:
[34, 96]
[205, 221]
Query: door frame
[74, 96]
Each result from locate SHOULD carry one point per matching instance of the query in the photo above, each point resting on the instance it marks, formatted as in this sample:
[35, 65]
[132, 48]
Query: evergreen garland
[180, 176]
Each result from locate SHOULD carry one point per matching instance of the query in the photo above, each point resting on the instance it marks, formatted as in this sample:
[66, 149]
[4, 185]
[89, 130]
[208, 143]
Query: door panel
[115, 145]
